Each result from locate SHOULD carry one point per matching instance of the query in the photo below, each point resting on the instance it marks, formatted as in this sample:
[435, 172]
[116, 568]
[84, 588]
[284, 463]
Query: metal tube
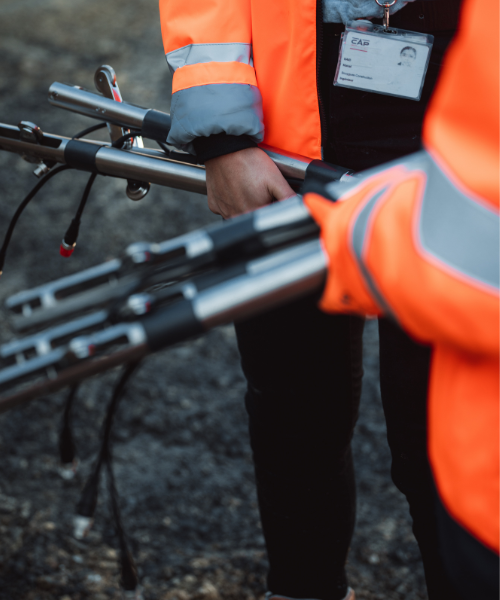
[133, 165]
[143, 164]
[93, 105]
[269, 281]
[73, 374]
[127, 115]
[139, 164]
[51, 148]
[290, 165]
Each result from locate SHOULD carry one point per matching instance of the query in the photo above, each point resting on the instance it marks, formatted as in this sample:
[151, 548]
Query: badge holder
[383, 59]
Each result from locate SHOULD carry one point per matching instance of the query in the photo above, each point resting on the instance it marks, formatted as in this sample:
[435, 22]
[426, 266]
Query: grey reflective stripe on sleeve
[417, 160]
[232, 108]
[459, 232]
[203, 53]
[358, 239]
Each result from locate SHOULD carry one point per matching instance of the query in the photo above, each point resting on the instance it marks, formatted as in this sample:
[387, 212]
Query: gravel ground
[182, 459]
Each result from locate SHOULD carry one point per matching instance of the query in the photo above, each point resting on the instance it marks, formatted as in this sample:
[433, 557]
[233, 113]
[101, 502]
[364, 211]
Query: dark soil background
[182, 457]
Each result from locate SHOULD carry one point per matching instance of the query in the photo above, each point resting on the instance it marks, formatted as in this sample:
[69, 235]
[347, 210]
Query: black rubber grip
[81, 155]
[156, 125]
[170, 325]
[209, 280]
[319, 174]
[235, 239]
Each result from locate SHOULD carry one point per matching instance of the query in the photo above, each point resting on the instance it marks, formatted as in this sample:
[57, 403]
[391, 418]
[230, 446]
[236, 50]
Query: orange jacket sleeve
[409, 243]
[420, 240]
[208, 47]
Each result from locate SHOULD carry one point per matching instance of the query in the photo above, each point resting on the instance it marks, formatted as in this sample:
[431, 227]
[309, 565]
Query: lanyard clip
[386, 6]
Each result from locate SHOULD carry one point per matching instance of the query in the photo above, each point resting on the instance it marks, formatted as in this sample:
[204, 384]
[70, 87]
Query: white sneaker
[270, 596]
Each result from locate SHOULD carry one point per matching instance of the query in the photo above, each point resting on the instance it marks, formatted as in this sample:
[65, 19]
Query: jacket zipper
[319, 56]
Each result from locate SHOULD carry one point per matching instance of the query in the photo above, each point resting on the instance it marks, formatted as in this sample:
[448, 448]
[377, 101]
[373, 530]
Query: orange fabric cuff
[345, 289]
[212, 72]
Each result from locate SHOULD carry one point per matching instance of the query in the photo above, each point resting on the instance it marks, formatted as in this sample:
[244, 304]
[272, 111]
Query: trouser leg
[473, 568]
[404, 373]
[304, 370]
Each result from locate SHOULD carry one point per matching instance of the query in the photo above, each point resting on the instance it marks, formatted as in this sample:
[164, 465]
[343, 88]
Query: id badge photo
[383, 60]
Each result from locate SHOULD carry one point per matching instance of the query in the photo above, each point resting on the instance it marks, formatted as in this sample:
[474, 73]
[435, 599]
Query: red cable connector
[65, 249]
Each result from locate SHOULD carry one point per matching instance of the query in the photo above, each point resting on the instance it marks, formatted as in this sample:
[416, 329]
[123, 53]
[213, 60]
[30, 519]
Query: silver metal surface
[45, 294]
[105, 82]
[92, 105]
[104, 78]
[133, 165]
[43, 341]
[290, 164]
[30, 132]
[139, 164]
[41, 170]
[85, 346]
[137, 190]
[386, 6]
[269, 281]
[12, 142]
[281, 214]
[32, 366]
[196, 243]
[139, 304]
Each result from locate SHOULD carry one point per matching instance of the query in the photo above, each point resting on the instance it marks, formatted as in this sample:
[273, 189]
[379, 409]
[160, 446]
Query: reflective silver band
[459, 232]
[358, 240]
[201, 111]
[203, 53]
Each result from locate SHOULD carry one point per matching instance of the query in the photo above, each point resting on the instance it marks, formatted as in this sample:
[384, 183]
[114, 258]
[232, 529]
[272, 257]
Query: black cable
[88, 500]
[86, 193]
[66, 443]
[89, 130]
[163, 147]
[128, 569]
[129, 579]
[69, 240]
[119, 142]
[22, 206]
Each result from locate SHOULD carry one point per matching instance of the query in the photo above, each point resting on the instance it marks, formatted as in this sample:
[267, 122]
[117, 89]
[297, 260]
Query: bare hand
[243, 181]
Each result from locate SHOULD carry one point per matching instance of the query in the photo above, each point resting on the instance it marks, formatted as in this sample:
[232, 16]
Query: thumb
[279, 188]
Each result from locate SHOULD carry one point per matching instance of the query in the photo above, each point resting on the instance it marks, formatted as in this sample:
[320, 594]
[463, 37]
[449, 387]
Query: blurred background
[182, 458]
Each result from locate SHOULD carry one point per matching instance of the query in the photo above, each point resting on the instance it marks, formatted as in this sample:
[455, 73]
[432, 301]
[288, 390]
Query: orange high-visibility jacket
[234, 61]
[419, 240]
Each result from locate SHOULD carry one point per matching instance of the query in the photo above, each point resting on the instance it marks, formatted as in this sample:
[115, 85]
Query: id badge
[383, 60]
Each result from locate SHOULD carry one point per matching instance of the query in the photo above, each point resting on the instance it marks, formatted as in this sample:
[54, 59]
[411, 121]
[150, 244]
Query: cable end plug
[68, 470]
[66, 250]
[133, 594]
[69, 241]
[81, 526]
[85, 509]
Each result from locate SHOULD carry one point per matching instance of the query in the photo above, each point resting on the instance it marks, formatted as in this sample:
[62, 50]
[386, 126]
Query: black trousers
[304, 372]
[472, 566]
